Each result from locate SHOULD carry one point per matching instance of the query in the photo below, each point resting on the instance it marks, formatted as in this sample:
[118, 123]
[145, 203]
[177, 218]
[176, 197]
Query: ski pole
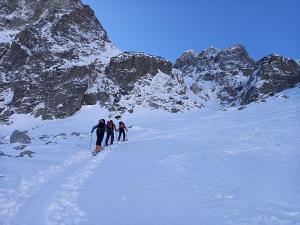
[118, 133]
[91, 142]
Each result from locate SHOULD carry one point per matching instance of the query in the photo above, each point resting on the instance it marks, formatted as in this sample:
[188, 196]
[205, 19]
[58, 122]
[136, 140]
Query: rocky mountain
[217, 74]
[55, 57]
[232, 78]
[137, 79]
[51, 52]
[272, 74]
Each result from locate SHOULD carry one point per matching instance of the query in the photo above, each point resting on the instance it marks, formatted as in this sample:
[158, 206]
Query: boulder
[20, 147]
[20, 137]
[26, 152]
[3, 154]
[76, 134]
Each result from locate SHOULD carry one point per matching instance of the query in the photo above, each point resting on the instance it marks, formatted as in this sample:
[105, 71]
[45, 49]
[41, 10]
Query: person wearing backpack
[122, 128]
[100, 134]
[110, 128]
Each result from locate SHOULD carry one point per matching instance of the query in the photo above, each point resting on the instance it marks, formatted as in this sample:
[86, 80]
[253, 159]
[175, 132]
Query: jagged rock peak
[215, 73]
[275, 57]
[211, 52]
[213, 59]
[126, 68]
[18, 13]
[126, 55]
[273, 74]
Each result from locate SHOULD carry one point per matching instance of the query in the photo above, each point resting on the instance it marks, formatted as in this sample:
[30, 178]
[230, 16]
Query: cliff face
[50, 53]
[272, 74]
[233, 78]
[125, 69]
[138, 79]
[217, 74]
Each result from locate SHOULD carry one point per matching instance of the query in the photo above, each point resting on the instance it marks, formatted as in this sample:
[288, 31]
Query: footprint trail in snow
[64, 208]
[12, 200]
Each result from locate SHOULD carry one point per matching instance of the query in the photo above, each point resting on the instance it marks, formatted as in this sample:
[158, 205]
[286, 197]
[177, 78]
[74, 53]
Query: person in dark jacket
[100, 134]
[110, 128]
[122, 128]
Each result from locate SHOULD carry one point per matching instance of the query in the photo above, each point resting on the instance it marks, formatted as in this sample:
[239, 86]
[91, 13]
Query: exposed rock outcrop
[215, 73]
[149, 81]
[50, 54]
[231, 76]
[20, 137]
[128, 67]
[273, 74]
[28, 153]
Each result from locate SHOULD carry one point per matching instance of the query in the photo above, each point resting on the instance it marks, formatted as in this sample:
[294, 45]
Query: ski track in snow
[233, 168]
[64, 209]
[12, 200]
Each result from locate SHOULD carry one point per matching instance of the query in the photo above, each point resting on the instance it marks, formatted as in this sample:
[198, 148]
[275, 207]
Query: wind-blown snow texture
[201, 167]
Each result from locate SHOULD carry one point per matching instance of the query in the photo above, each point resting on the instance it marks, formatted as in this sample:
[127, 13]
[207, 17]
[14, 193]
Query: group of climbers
[110, 129]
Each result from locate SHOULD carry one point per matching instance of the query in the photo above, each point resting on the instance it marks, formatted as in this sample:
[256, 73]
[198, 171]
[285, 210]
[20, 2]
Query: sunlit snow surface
[203, 167]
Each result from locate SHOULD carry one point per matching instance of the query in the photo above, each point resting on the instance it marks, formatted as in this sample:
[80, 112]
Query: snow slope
[203, 167]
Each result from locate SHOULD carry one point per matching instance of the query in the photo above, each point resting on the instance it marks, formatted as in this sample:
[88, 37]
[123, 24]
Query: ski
[94, 153]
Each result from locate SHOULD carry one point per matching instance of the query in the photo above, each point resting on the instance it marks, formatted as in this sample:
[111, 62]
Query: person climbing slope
[110, 128]
[100, 134]
[122, 128]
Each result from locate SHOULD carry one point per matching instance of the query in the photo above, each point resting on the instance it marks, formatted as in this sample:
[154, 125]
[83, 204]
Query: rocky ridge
[232, 78]
[137, 79]
[272, 74]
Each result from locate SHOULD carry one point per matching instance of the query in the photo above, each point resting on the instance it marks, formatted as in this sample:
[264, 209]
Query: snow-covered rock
[148, 81]
[233, 78]
[126, 68]
[49, 56]
[20, 137]
[273, 74]
[26, 153]
[217, 74]
[161, 91]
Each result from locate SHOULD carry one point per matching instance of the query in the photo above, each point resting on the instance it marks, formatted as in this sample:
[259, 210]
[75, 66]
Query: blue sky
[169, 27]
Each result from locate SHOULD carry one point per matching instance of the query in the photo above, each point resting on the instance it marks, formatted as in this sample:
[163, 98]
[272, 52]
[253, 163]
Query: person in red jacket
[110, 128]
[122, 128]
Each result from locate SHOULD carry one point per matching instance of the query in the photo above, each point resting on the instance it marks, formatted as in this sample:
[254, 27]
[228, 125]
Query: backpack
[101, 125]
[110, 125]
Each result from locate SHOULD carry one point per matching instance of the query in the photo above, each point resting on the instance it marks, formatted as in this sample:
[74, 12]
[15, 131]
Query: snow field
[12, 200]
[200, 167]
[64, 209]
